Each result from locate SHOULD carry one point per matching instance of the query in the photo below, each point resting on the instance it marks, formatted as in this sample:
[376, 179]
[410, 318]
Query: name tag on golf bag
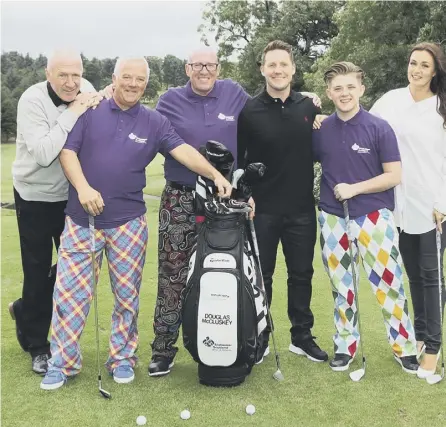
[224, 311]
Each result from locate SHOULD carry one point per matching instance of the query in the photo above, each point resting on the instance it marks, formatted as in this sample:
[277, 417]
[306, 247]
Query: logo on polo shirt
[133, 137]
[360, 150]
[221, 116]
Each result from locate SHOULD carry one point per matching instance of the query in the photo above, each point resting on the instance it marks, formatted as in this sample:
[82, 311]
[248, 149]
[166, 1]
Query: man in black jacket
[275, 128]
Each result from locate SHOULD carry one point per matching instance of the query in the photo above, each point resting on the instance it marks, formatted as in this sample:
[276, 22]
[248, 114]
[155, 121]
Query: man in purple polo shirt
[104, 159]
[361, 163]
[204, 109]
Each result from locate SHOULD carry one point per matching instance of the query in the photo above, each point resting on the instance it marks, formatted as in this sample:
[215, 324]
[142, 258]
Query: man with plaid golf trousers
[361, 163]
[105, 159]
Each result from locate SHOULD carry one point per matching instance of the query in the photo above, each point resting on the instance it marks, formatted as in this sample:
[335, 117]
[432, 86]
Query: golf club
[103, 392]
[278, 374]
[358, 374]
[436, 378]
[252, 173]
[220, 157]
[236, 176]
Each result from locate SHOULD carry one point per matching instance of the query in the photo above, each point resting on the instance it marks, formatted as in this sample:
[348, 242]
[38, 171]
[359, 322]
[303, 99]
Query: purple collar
[133, 111]
[214, 93]
[355, 120]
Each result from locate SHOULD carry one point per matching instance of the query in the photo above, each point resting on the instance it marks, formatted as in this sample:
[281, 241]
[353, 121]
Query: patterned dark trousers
[176, 240]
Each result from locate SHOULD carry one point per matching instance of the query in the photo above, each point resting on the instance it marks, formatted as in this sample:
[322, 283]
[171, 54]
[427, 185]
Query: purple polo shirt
[198, 119]
[351, 152]
[114, 147]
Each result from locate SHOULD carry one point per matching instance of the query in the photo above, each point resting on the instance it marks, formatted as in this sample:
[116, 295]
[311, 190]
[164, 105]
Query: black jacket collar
[53, 95]
[268, 99]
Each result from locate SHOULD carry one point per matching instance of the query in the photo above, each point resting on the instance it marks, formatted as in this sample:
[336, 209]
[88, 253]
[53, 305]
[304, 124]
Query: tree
[8, 110]
[173, 71]
[93, 72]
[156, 67]
[153, 87]
[246, 27]
[378, 36]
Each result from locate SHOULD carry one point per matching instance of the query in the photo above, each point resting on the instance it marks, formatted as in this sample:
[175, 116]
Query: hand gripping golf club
[278, 374]
[358, 374]
[436, 378]
[103, 392]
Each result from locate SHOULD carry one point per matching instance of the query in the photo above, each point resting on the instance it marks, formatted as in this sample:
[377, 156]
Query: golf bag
[224, 306]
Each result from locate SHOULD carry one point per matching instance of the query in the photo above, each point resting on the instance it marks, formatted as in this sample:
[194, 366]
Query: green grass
[310, 395]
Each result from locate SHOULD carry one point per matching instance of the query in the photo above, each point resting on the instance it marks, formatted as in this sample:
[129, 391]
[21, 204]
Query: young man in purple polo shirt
[361, 163]
[105, 159]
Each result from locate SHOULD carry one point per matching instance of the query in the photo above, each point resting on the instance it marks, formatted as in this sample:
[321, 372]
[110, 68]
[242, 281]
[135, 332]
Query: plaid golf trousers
[125, 249]
[375, 238]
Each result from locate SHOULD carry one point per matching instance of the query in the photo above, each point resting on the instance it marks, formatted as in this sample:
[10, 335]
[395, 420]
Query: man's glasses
[198, 66]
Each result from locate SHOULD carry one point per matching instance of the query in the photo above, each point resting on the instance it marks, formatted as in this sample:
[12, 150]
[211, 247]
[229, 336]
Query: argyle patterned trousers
[125, 249]
[375, 240]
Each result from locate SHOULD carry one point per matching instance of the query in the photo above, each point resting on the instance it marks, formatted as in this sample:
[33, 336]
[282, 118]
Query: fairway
[310, 395]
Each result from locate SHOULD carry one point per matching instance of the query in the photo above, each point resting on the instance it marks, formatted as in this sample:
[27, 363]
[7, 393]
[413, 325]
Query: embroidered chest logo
[135, 138]
[221, 116]
[360, 150]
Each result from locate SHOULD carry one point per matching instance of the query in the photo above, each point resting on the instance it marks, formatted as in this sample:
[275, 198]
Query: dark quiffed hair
[438, 82]
[277, 45]
[342, 68]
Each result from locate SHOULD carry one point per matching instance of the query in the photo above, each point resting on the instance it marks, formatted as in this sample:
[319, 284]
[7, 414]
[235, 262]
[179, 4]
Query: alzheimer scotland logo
[360, 150]
[135, 138]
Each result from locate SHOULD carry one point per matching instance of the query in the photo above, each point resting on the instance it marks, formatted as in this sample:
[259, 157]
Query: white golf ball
[250, 409]
[141, 420]
[185, 415]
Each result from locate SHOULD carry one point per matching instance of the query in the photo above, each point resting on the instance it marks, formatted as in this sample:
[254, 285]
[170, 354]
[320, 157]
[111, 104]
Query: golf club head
[105, 394]
[236, 176]
[253, 172]
[357, 375]
[220, 157]
[278, 375]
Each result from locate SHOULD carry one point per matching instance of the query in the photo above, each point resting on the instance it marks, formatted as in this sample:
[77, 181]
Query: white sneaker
[265, 353]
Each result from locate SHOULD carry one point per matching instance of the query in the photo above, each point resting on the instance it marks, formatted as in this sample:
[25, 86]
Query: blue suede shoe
[53, 380]
[123, 374]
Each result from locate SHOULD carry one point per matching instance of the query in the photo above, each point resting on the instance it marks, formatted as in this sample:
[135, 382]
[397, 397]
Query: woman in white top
[417, 114]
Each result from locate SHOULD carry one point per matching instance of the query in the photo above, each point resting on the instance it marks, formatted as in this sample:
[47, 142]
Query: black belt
[178, 186]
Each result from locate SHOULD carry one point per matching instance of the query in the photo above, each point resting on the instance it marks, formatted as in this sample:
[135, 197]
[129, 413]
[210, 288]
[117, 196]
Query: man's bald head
[65, 57]
[64, 72]
[197, 55]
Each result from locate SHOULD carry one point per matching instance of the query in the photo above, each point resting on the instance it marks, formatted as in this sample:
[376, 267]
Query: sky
[104, 29]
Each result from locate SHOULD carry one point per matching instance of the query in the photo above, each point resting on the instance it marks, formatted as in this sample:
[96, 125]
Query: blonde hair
[342, 68]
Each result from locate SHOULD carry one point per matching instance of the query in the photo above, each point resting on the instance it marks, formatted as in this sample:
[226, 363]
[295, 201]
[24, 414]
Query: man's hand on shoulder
[316, 100]
[107, 92]
[84, 101]
[318, 120]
